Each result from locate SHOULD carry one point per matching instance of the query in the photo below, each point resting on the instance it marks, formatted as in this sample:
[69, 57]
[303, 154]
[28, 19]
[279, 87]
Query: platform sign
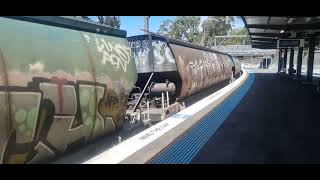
[290, 43]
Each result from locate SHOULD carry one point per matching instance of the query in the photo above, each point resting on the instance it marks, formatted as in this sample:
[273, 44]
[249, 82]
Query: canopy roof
[265, 30]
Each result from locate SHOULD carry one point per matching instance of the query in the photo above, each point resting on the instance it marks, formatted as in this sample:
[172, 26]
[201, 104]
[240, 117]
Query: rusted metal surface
[190, 67]
[227, 64]
[237, 67]
[199, 69]
[61, 87]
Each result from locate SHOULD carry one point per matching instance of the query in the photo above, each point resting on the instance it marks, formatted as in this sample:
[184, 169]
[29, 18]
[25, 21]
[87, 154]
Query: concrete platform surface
[276, 122]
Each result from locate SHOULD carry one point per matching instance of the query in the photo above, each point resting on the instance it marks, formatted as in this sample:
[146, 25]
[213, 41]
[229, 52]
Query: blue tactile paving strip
[183, 150]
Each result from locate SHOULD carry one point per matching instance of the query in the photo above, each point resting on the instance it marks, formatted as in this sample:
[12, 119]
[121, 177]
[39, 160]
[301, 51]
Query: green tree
[112, 21]
[165, 28]
[188, 28]
[215, 26]
[182, 28]
[237, 40]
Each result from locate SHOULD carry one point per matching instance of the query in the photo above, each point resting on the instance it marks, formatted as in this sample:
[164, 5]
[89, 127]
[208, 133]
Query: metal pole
[291, 62]
[167, 99]
[285, 60]
[227, 36]
[265, 63]
[162, 101]
[143, 91]
[280, 61]
[148, 111]
[310, 59]
[140, 112]
[299, 62]
[146, 24]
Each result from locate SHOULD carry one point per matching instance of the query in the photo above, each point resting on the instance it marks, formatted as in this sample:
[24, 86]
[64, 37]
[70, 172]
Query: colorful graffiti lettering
[51, 116]
[59, 88]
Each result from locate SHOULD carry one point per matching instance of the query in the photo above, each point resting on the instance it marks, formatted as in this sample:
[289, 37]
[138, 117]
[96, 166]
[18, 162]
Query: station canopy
[264, 31]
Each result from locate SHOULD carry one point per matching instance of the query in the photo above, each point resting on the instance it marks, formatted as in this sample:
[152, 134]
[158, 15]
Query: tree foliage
[214, 26]
[112, 21]
[191, 29]
[182, 28]
[238, 31]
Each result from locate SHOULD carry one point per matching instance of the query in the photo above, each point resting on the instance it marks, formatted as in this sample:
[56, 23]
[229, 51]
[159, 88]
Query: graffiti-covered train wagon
[63, 82]
[169, 71]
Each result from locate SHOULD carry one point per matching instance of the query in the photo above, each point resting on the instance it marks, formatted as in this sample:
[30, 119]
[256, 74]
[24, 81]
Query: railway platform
[268, 118]
[275, 122]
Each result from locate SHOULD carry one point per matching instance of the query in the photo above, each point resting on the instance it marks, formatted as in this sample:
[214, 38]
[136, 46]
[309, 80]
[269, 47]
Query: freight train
[65, 82]
[170, 71]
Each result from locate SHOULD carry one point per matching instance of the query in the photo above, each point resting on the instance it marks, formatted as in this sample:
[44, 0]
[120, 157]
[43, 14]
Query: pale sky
[133, 24]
